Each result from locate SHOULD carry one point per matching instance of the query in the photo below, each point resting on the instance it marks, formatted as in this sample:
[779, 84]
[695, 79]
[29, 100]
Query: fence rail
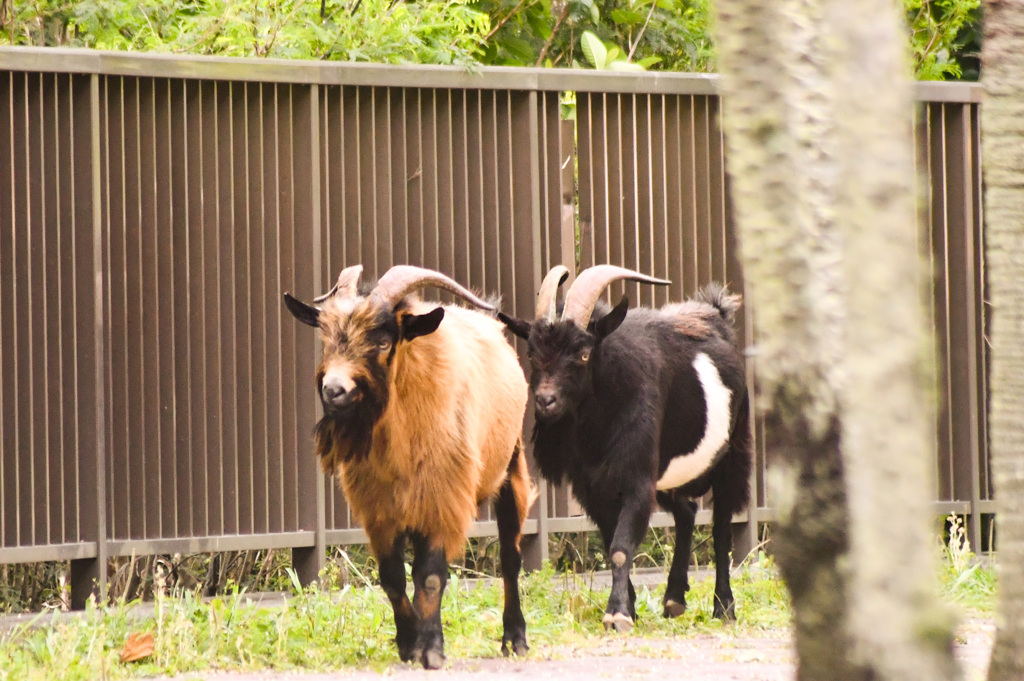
[155, 398]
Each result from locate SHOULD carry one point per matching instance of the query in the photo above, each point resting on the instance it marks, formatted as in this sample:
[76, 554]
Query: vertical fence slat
[163, 277]
[243, 241]
[306, 221]
[661, 188]
[399, 176]
[676, 189]
[462, 221]
[586, 122]
[53, 422]
[90, 575]
[195, 294]
[33, 315]
[982, 310]
[9, 490]
[940, 268]
[180, 240]
[644, 188]
[264, 313]
[445, 183]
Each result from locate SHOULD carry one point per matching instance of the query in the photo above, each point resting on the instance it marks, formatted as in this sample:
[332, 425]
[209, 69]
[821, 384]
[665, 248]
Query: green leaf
[539, 26]
[520, 49]
[628, 17]
[625, 66]
[594, 50]
[648, 62]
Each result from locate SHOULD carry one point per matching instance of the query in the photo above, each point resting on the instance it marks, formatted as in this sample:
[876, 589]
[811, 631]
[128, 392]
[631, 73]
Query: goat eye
[384, 345]
[584, 356]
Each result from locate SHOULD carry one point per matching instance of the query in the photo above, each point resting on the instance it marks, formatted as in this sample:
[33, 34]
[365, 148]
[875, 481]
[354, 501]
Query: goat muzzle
[337, 395]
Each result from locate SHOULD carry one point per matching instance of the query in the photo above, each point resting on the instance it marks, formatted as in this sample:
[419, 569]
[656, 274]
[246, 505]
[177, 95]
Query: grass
[353, 626]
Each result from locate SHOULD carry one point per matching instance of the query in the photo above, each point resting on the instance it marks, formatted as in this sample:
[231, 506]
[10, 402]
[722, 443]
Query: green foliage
[670, 35]
[387, 31]
[964, 579]
[939, 32]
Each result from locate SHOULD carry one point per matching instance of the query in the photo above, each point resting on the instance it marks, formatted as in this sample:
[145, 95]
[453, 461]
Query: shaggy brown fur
[452, 417]
[423, 410]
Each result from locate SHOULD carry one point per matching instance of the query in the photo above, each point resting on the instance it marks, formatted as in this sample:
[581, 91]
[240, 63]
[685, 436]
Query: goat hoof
[518, 647]
[725, 612]
[619, 622]
[433, 659]
[674, 608]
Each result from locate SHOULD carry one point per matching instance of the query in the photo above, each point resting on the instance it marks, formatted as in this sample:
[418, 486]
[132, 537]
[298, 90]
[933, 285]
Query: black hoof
[674, 608]
[516, 645]
[725, 612]
[406, 651]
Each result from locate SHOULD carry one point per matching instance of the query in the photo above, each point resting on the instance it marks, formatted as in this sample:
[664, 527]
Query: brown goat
[423, 411]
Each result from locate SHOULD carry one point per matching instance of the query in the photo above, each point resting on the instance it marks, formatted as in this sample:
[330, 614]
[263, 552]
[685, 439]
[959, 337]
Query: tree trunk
[1002, 119]
[817, 112]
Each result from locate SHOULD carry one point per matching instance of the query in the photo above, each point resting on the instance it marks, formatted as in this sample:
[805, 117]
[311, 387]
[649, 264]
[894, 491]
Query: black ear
[519, 327]
[608, 323]
[416, 325]
[307, 314]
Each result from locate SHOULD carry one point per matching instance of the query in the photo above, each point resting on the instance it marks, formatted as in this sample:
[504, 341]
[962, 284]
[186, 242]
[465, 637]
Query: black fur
[628, 400]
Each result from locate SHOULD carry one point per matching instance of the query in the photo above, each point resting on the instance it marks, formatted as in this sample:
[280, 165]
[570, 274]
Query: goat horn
[584, 292]
[400, 280]
[556, 276]
[348, 281]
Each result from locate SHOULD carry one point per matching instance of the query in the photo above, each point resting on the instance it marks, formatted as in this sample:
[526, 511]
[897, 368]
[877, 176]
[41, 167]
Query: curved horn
[348, 281]
[556, 276]
[402, 279]
[584, 292]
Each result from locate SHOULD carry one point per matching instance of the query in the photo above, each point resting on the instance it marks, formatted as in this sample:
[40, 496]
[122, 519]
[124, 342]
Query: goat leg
[630, 528]
[392, 579]
[508, 514]
[721, 533]
[430, 577]
[683, 511]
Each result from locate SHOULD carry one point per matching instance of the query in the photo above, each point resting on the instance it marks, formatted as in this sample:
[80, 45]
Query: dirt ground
[699, 658]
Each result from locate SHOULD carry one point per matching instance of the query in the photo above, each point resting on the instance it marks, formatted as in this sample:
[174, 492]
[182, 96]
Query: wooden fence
[154, 397]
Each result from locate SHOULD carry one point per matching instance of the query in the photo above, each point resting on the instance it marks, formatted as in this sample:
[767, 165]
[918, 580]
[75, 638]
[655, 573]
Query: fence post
[526, 173]
[308, 561]
[89, 575]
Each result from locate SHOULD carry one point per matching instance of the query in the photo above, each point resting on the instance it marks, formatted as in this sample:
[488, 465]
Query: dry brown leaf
[137, 647]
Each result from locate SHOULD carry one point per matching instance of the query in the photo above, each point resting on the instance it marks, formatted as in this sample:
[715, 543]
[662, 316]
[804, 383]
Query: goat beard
[555, 448]
[340, 440]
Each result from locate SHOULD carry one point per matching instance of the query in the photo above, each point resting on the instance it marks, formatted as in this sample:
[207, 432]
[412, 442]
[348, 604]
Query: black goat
[633, 409]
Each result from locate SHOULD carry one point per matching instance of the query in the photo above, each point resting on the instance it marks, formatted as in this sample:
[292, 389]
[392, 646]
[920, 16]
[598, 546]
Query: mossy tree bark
[817, 107]
[1002, 120]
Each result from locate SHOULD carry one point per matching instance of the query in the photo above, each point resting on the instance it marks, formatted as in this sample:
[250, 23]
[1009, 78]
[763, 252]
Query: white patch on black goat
[690, 465]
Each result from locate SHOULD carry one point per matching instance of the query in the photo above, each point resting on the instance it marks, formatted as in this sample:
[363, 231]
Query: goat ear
[307, 314]
[608, 323]
[416, 325]
[519, 327]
